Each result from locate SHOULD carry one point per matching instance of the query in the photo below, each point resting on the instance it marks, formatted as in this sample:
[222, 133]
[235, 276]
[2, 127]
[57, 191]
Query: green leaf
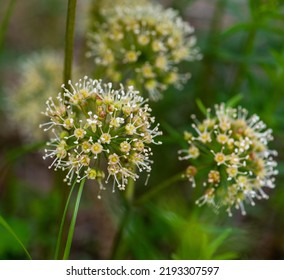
[10, 230]
[59, 238]
[5, 22]
[217, 243]
[244, 26]
[234, 100]
[15, 153]
[201, 106]
[226, 256]
[73, 222]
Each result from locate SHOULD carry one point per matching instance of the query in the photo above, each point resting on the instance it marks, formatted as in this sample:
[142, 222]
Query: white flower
[39, 77]
[143, 44]
[92, 122]
[237, 160]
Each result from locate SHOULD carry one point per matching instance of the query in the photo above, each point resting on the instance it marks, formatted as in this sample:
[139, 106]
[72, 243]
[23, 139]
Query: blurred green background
[243, 58]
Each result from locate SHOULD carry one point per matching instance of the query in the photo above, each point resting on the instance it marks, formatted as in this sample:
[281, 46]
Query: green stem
[69, 40]
[59, 238]
[158, 188]
[69, 45]
[138, 202]
[127, 201]
[131, 187]
[14, 154]
[73, 222]
[10, 230]
[119, 234]
[5, 22]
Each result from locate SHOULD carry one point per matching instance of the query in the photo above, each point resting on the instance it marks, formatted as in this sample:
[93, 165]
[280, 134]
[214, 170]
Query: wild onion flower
[229, 158]
[143, 44]
[95, 124]
[99, 9]
[39, 77]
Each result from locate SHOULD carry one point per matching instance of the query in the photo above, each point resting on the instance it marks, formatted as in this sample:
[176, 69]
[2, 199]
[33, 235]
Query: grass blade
[5, 22]
[10, 230]
[59, 238]
[69, 40]
[73, 222]
[201, 106]
[234, 100]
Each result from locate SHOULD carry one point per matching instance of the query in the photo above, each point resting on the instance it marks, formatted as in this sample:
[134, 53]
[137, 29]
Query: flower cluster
[99, 9]
[144, 45]
[230, 149]
[40, 75]
[95, 124]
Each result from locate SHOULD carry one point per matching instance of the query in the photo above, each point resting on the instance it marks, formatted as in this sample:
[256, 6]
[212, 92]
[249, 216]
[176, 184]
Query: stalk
[5, 22]
[128, 199]
[130, 204]
[73, 222]
[67, 74]
[10, 230]
[118, 237]
[69, 40]
[59, 238]
[165, 184]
